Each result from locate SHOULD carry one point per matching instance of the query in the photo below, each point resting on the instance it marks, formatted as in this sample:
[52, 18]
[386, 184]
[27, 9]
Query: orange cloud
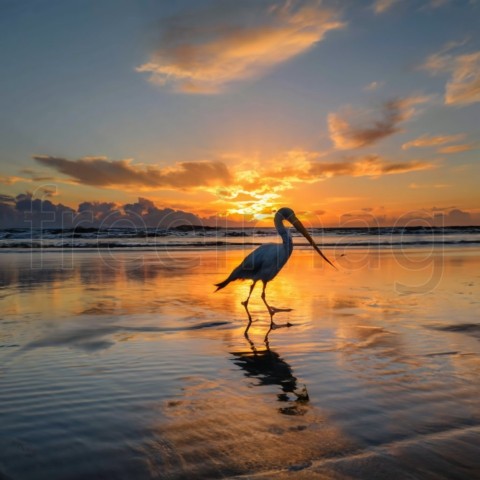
[381, 6]
[441, 61]
[203, 54]
[416, 186]
[11, 179]
[457, 148]
[373, 86]
[99, 171]
[247, 189]
[351, 129]
[258, 188]
[463, 87]
[367, 166]
[432, 140]
[437, 3]
[302, 167]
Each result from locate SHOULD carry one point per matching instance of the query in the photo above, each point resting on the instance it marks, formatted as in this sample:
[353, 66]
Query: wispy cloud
[417, 186]
[373, 86]
[442, 60]
[372, 166]
[381, 6]
[463, 87]
[437, 3]
[465, 147]
[351, 128]
[7, 199]
[11, 179]
[433, 140]
[203, 53]
[102, 172]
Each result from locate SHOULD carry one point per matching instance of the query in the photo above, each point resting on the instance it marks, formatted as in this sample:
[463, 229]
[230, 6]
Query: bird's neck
[284, 233]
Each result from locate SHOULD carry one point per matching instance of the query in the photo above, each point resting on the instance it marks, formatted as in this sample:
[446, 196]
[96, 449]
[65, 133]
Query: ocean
[212, 237]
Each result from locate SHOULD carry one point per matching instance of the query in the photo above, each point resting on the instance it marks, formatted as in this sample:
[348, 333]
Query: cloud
[432, 141]
[373, 86]
[367, 166]
[381, 6]
[143, 213]
[437, 63]
[437, 3]
[25, 211]
[354, 128]
[11, 179]
[459, 217]
[456, 217]
[463, 87]
[457, 148]
[259, 187]
[35, 176]
[417, 186]
[7, 199]
[206, 51]
[303, 167]
[101, 172]
[442, 61]
[29, 177]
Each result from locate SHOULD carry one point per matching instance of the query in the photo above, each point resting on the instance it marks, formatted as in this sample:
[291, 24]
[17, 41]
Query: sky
[352, 113]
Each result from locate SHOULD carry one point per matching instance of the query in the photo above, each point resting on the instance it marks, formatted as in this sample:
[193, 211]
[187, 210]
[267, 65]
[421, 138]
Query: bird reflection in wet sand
[267, 260]
[269, 368]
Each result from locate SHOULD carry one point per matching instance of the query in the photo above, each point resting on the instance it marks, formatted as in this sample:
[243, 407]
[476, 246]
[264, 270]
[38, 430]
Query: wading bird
[267, 260]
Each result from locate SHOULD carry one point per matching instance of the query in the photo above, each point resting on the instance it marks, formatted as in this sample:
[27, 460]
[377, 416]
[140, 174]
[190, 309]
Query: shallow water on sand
[127, 365]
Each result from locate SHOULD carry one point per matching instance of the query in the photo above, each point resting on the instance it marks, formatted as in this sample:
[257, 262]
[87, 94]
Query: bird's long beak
[299, 226]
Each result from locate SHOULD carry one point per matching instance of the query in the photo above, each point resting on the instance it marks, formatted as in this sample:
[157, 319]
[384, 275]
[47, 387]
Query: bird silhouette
[266, 261]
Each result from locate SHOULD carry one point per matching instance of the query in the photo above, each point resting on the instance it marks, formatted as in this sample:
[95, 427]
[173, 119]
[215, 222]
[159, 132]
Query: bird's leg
[272, 311]
[245, 304]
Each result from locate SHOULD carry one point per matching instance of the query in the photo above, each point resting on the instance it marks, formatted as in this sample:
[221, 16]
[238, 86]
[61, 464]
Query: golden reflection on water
[369, 293]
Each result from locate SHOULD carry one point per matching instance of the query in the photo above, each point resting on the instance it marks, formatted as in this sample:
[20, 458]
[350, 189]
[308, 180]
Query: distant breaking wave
[212, 237]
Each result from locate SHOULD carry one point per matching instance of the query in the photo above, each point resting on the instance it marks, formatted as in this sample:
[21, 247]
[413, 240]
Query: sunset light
[239, 239]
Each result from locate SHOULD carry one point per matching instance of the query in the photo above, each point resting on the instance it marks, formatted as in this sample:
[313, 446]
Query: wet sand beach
[125, 364]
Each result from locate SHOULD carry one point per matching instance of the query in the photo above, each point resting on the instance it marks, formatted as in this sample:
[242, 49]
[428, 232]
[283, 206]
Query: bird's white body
[263, 263]
[266, 261]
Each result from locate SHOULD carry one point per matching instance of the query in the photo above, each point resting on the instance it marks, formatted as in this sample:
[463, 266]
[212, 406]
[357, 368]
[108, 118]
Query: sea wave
[213, 237]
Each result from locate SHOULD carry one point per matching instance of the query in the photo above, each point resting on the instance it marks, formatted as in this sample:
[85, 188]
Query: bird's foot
[274, 310]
